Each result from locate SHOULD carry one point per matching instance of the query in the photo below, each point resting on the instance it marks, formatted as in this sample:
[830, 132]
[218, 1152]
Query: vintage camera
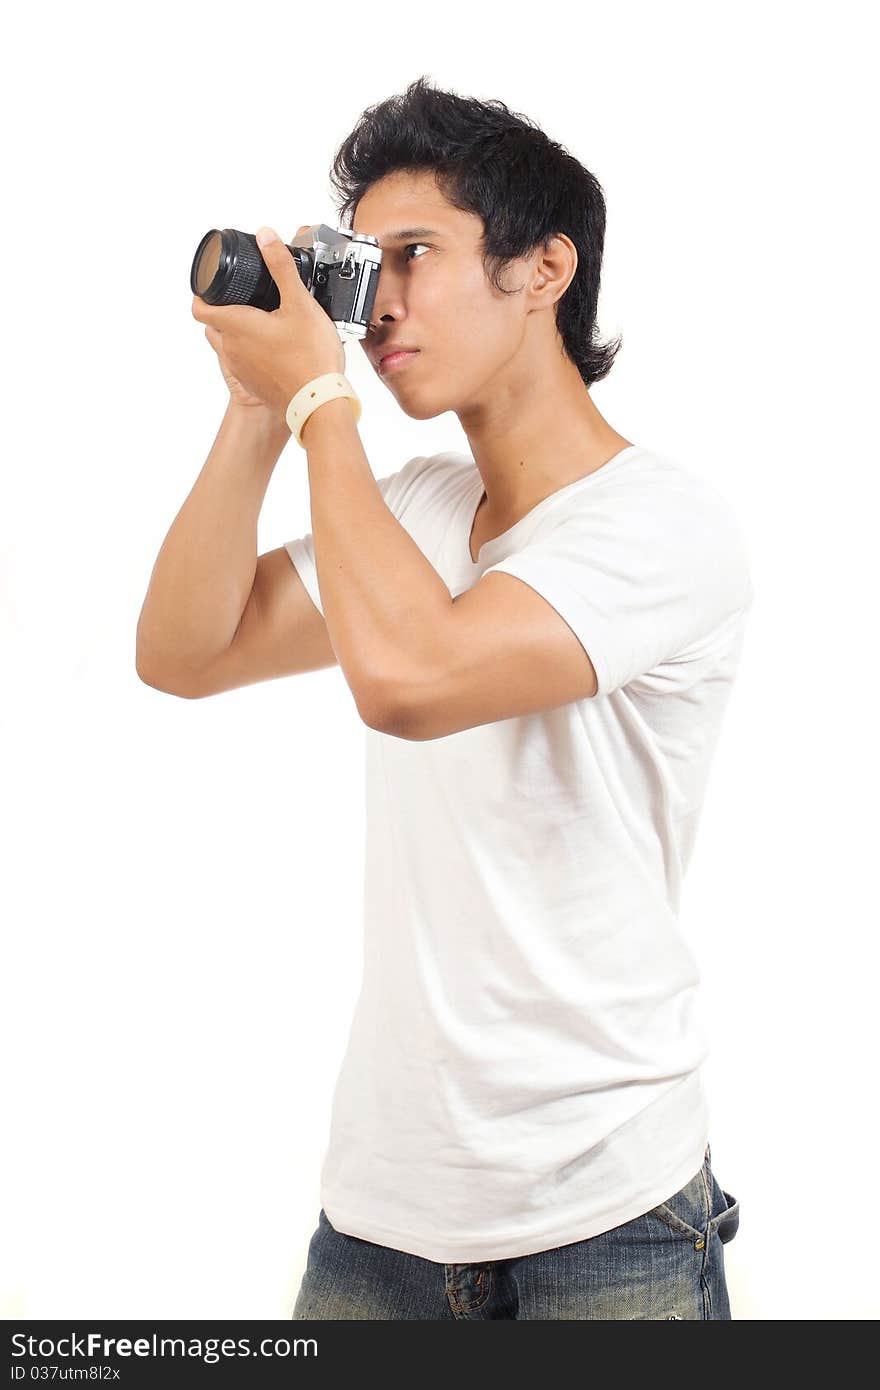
[341, 270]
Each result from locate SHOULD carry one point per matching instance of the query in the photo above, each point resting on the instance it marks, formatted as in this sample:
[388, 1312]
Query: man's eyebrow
[412, 232]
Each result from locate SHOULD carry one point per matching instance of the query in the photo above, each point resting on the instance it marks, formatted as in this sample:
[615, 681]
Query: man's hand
[273, 354]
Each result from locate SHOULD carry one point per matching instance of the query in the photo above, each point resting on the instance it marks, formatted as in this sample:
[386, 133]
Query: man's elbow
[163, 686]
[389, 712]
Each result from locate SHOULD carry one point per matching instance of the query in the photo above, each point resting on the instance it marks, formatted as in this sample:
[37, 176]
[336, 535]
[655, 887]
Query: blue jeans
[668, 1263]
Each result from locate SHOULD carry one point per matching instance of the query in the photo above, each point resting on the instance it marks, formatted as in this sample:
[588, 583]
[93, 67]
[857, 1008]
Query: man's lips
[396, 358]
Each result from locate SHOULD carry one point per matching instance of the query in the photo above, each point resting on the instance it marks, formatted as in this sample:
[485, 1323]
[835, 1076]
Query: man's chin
[418, 407]
[422, 410]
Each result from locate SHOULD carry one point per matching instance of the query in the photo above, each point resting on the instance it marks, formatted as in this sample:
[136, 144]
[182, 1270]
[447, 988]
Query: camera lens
[229, 269]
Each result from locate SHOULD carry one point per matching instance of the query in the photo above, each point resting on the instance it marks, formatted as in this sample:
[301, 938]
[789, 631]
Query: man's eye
[416, 243]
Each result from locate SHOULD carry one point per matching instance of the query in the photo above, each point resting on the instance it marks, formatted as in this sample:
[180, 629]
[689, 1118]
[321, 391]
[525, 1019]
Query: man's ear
[556, 264]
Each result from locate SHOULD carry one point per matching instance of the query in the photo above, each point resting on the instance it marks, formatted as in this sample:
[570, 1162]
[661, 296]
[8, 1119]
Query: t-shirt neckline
[474, 497]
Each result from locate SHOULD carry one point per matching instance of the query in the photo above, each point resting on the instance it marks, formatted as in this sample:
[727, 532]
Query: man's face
[433, 294]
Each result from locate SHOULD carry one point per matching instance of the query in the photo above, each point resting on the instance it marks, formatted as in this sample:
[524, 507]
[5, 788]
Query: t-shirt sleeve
[395, 488]
[641, 579]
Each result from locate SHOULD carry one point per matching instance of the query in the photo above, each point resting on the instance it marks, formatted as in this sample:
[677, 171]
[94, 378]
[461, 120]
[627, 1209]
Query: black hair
[500, 165]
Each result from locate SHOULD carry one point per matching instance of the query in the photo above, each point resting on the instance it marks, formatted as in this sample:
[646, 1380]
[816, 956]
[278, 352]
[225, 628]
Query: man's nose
[388, 305]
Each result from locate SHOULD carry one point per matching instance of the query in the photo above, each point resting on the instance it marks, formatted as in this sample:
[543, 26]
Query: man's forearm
[382, 599]
[204, 572]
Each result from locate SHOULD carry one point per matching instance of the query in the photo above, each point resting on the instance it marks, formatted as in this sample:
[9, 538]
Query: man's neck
[533, 437]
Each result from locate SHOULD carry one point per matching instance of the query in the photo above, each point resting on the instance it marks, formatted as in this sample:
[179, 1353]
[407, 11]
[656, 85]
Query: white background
[181, 879]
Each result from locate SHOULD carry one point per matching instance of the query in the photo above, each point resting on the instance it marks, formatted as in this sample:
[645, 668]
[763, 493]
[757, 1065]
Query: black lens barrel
[229, 269]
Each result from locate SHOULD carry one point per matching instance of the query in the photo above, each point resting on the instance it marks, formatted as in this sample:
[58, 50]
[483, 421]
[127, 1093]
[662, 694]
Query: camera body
[339, 268]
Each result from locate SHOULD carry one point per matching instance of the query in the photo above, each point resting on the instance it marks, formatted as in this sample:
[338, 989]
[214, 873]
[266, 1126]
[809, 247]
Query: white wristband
[318, 392]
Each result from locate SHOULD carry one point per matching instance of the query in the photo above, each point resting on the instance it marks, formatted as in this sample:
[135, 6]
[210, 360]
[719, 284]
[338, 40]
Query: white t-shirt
[522, 1069]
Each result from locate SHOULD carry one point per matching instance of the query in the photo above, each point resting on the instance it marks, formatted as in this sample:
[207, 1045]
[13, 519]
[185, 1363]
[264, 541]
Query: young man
[541, 637]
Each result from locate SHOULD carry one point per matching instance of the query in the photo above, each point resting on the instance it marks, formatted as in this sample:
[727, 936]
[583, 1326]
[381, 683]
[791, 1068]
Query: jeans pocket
[725, 1213]
[701, 1208]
